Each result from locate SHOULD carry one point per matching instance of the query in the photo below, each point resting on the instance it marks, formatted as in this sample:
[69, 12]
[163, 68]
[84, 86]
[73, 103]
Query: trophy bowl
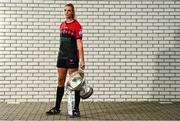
[76, 82]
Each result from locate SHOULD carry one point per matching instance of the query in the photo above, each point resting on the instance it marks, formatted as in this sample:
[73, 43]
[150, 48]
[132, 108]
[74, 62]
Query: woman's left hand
[82, 65]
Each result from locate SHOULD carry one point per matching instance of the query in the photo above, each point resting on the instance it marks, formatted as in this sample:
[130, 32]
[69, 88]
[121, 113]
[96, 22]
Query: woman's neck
[69, 20]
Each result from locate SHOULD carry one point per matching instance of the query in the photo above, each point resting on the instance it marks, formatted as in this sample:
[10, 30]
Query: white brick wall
[131, 49]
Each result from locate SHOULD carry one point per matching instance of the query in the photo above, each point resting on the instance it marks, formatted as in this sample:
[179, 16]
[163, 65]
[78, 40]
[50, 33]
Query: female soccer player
[70, 56]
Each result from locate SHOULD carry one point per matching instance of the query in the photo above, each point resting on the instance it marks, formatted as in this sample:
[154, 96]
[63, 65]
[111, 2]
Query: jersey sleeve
[79, 33]
[60, 26]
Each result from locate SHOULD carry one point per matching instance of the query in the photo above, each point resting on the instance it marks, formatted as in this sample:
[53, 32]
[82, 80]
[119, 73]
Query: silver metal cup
[76, 82]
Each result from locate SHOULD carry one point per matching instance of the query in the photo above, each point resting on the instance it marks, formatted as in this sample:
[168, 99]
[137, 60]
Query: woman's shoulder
[77, 23]
[62, 23]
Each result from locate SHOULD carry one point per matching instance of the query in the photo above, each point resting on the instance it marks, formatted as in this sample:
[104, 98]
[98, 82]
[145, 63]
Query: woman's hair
[72, 7]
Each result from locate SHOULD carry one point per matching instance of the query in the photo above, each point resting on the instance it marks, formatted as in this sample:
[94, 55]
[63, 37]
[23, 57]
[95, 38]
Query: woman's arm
[81, 53]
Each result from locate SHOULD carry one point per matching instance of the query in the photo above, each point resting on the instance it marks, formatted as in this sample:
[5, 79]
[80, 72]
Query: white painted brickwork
[132, 49]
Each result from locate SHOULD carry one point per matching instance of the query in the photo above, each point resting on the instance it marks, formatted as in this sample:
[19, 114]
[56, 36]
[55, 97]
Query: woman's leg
[61, 76]
[60, 89]
[77, 95]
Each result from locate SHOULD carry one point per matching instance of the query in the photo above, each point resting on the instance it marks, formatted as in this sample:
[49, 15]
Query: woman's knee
[61, 82]
[61, 76]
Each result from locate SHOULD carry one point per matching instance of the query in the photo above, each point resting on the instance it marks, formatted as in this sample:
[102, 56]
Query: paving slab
[93, 111]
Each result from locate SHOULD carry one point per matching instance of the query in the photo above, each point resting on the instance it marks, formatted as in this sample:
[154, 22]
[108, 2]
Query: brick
[121, 44]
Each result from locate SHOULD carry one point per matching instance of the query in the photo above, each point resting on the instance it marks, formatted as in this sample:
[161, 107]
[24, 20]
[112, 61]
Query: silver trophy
[76, 82]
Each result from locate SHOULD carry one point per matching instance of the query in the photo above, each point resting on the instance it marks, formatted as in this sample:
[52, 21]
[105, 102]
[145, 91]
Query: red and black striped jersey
[69, 33]
[71, 29]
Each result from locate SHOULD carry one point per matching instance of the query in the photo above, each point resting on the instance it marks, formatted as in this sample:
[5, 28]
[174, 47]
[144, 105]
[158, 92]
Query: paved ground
[94, 111]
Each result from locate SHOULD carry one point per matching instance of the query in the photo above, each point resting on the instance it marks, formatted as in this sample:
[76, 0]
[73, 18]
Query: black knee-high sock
[77, 100]
[59, 95]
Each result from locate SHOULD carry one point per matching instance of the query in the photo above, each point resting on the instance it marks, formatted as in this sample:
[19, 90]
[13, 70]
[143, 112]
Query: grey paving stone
[93, 111]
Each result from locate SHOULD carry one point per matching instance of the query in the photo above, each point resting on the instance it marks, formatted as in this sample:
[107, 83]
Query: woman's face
[68, 12]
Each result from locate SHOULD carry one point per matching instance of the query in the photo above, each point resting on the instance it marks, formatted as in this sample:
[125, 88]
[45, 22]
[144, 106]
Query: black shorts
[67, 63]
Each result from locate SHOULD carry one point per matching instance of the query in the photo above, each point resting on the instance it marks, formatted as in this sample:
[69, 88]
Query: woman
[70, 56]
